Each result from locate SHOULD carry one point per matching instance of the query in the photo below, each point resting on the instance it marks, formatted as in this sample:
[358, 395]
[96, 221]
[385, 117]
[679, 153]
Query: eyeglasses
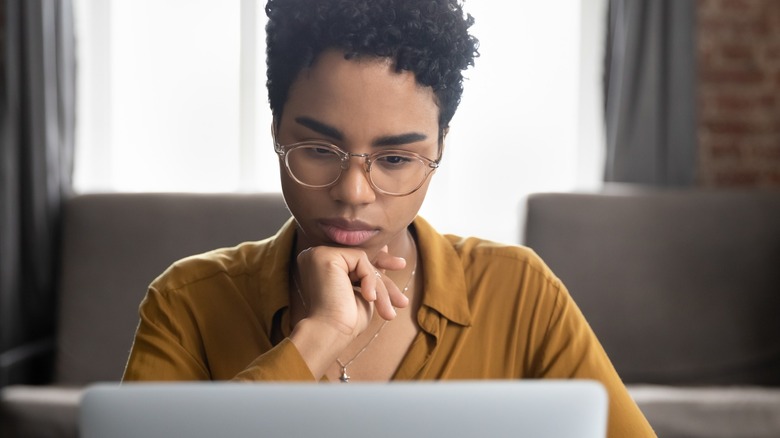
[320, 164]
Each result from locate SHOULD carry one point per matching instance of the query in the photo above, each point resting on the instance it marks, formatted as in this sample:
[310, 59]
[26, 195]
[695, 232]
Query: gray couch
[683, 289]
[113, 247]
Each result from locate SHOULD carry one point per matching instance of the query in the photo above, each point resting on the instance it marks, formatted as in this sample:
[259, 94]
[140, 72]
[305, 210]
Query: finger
[367, 276]
[367, 285]
[383, 304]
[398, 299]
[385, 261]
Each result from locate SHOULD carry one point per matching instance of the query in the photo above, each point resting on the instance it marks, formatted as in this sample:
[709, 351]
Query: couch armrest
[710, 412]
[39, 411]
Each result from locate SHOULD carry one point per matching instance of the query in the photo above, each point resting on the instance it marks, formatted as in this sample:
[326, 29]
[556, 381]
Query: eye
[395, 161]
[320, 152]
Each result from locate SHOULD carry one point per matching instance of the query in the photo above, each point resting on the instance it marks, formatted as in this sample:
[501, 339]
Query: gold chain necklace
[344, 377]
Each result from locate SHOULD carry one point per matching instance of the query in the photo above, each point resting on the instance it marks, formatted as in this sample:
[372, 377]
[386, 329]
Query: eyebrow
[400, 140]
[334, 133]
[321, 128]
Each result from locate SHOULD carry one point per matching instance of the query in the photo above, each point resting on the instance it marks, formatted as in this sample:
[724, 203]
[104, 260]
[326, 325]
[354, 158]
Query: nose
[353, 186]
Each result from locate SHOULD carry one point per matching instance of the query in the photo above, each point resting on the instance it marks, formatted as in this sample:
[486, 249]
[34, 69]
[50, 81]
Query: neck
[404, 246]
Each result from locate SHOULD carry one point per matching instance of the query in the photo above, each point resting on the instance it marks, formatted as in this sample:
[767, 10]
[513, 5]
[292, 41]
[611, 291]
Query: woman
[356, 287]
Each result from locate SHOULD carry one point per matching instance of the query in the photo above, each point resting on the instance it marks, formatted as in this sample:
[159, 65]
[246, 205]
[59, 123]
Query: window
[172, 98]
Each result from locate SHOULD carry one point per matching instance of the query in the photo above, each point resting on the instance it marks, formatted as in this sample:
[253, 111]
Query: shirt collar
[445, 282]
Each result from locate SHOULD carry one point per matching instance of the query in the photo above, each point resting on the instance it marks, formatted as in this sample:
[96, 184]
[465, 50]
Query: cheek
[295, 196]
[405, 209]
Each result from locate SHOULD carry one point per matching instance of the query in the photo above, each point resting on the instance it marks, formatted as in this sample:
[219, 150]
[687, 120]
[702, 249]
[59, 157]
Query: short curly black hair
[430, 38]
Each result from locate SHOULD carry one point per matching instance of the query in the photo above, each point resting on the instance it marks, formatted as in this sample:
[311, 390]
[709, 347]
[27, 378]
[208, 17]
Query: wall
[739, 93]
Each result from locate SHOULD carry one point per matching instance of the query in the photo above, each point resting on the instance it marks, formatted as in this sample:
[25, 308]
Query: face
[361, 106]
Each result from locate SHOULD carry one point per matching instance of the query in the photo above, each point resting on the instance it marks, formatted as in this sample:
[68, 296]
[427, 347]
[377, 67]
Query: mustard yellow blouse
[489, 311]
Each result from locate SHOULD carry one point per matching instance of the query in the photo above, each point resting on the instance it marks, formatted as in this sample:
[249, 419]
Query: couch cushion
[716, 412]
[681, 286]
[41, 412]
[114, 245]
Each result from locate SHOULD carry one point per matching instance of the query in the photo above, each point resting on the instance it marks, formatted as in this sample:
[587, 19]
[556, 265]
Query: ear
[274, 138]
[442, 137]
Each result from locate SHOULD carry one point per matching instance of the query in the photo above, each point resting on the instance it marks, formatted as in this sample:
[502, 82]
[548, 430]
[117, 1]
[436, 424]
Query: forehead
[361, 95]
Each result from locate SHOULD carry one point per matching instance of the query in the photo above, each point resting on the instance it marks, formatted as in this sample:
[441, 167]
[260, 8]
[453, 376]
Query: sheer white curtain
[172, 98]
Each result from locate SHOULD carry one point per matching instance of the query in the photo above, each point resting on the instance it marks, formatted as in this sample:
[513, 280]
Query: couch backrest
[681, 287]
[114, 245]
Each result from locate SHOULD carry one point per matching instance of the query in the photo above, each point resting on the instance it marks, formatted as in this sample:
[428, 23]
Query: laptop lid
[525, 408]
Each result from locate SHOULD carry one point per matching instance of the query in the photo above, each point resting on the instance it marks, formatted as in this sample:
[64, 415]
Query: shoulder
[474, 249]
[480, 259]
[504, 260]
[231, 261]
[256, 259]
[223, 262]
[483, 268]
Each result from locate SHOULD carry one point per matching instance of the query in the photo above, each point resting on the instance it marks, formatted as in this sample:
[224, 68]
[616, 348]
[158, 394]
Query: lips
[347, 233]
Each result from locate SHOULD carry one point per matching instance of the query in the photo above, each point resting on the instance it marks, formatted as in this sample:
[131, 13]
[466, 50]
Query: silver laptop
[525, 408]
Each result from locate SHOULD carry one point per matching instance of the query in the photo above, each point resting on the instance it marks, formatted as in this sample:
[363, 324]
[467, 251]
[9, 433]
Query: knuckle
[316, 251]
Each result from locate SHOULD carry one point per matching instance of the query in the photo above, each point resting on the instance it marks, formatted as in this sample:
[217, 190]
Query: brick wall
[739, 93]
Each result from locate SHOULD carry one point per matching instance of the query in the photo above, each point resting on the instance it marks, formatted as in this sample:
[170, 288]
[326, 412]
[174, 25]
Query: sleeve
[571, 350]
[282, 362]
[168, 347]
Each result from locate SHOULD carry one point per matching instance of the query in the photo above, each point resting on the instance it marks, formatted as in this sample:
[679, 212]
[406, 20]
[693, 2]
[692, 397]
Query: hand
[343, 287]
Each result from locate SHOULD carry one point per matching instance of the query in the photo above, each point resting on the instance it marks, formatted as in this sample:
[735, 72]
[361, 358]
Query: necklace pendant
[344, 376]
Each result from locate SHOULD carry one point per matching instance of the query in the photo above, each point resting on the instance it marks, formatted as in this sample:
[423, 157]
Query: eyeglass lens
[394, 172]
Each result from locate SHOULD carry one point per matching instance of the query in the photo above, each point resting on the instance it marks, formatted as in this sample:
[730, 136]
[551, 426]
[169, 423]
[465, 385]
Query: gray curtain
[36, 128]
[650, 92]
